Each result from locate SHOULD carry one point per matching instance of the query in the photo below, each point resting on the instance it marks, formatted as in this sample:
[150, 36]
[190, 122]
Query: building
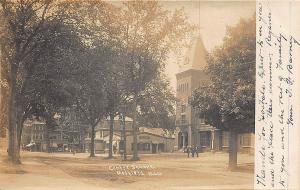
[36, 136]
[190, 129]
[102, 134]
[150, 141]
[33, 135]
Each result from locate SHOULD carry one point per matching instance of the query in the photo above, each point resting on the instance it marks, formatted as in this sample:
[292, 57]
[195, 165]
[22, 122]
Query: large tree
[228, 102]
[37, 47]
[142, 33]
[149, 34]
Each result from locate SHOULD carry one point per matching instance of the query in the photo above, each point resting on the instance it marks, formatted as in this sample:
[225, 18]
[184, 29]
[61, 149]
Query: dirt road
[174, 171]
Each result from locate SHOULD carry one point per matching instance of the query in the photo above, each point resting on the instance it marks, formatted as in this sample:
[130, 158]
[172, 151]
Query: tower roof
[195, 55]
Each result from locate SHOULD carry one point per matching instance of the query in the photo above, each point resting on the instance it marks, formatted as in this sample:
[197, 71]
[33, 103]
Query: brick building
[190, 129]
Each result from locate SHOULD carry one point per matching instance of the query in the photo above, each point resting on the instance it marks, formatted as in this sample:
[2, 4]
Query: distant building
[102, 134]
[36, 136]
[33, 135]
[149, 140]
[150, 143]
[190, 129]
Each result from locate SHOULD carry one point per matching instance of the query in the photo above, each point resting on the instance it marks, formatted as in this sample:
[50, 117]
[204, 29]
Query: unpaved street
[173, 171]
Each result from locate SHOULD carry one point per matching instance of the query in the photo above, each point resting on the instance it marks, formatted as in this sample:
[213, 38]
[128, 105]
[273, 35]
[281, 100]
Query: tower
[191, 130]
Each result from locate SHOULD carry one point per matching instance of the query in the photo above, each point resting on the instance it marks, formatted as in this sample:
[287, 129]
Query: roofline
[152, 134]
[185, 71]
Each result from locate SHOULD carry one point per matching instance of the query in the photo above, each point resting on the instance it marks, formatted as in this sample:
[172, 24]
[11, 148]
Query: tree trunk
[20, 128]
[233, 138]
[111, 133]
[47, 139]
[134, 132]
[13, 131]
[92, 154]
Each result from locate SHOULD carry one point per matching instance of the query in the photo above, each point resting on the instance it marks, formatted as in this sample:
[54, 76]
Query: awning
[30, 145]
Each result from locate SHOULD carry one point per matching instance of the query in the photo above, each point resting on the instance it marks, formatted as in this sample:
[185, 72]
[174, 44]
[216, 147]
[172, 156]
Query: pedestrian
[188, 152]
[197, 151]
[193, 152]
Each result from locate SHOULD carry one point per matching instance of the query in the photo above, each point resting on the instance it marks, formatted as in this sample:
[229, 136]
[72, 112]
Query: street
[169, 171]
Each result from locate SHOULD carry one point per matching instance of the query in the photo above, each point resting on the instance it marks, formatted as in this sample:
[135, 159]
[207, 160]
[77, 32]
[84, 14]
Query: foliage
[94, 55]
[38, 49]
[230, 97]
[156, 105]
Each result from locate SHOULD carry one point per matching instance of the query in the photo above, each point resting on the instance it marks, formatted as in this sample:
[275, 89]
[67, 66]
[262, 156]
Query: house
[102, 134]
[149, 143]
[149, 140]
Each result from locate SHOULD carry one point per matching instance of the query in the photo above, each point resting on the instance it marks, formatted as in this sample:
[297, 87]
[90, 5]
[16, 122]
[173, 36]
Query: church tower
[191, 130]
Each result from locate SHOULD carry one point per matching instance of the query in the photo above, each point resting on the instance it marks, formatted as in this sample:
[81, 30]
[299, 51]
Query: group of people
[192, 150]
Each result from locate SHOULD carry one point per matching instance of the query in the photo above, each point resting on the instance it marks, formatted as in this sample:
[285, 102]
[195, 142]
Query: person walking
[193, 152]
[197, 151]
[188, 151]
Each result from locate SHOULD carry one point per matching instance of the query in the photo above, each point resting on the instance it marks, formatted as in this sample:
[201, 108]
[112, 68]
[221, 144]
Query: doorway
[154, 147]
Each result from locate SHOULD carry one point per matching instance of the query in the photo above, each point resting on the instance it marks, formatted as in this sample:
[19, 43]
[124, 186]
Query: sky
[212, 17]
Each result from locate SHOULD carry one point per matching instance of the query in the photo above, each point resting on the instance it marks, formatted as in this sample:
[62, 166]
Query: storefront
[149, 143]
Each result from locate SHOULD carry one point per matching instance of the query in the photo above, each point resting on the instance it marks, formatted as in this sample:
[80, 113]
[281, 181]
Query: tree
[156, 106]
[24, 25]
[36, 45]
[228, 102]
[149, 34]
[91, 97]
[115, 93]
[142, 34]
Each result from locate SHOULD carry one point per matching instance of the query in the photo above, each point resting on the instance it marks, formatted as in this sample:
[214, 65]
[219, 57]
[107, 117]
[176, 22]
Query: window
[183, 119]
[183, 108]
[205, 138]
[225, 138]
[246, 140]
[201, 120]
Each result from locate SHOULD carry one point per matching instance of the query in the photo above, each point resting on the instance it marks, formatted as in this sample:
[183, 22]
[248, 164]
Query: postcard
[149, 95]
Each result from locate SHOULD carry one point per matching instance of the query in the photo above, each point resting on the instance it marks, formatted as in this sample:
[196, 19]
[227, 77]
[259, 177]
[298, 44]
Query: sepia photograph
[131, 95]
